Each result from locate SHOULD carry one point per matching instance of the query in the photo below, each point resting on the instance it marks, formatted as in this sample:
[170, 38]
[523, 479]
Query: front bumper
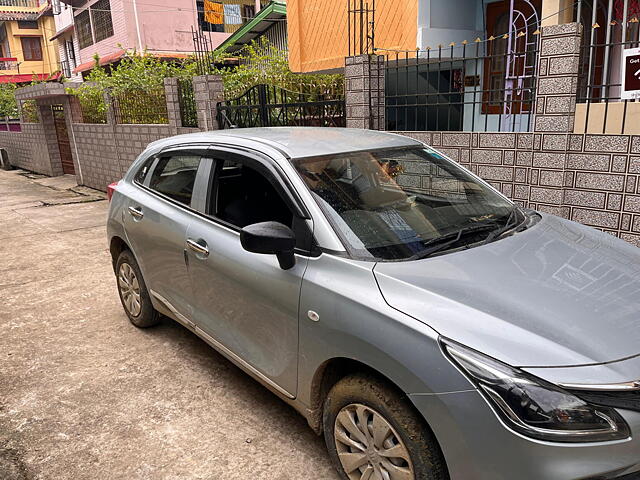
[477, 446]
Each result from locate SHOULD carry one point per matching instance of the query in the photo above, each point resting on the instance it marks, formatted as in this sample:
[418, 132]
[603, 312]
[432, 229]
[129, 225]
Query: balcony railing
[8, 63]
[21, 3]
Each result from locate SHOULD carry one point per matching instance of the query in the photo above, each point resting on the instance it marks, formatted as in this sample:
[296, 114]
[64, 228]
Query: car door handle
[198, 247]
[136, 212]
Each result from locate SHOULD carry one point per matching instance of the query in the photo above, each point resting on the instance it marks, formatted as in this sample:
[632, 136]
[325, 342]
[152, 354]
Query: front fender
[356, 323]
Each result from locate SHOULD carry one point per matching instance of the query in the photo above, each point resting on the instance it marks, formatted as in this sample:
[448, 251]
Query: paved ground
[85, 395]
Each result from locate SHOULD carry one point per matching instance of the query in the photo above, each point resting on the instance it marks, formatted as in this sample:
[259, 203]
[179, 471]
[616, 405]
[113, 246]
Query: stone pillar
[173, 103]
[555, 108]
[364, 91]
[208, 90]
[557, 85]
[51, 137]
[75, 111]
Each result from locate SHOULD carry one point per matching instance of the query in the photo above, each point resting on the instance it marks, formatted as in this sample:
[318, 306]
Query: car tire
[362, 399]
[133, 292]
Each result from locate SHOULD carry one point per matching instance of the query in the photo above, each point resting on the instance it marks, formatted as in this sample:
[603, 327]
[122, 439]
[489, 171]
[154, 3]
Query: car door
[156, 219]
[245, 301]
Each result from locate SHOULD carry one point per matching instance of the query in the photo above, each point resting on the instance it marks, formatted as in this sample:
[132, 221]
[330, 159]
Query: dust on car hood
[556, 294]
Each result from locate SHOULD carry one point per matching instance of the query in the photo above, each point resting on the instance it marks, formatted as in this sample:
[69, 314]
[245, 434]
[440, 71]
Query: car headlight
[535, 407]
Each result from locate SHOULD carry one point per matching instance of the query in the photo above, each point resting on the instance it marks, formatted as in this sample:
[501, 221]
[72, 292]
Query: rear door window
[175, 177]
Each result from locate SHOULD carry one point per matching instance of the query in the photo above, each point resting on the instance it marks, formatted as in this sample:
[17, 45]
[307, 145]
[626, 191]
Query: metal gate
[272, 106]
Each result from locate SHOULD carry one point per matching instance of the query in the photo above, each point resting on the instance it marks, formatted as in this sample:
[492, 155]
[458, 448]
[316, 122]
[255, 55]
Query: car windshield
[406, 203]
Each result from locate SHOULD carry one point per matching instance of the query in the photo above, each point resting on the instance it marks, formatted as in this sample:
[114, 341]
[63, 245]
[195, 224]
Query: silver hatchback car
[426, 325]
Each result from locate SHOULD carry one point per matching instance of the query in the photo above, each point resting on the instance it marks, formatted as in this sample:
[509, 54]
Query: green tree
[8, 103]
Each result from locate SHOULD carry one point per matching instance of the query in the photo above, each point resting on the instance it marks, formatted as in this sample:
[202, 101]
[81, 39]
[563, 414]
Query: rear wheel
[133, 292]
[372, 432]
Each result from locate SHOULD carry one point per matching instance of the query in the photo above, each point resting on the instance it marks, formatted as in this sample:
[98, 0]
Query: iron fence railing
[361, 21]
[92, 108]
[29, 111]
[610, 27]
[141, 107]
[187, 103]
[482, 86]
[269, 105]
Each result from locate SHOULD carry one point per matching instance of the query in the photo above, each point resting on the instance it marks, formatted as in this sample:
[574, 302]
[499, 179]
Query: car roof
[297, 142]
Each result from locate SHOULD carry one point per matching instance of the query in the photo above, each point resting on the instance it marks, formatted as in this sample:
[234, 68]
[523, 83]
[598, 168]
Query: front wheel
[373, 433]
[133, 292]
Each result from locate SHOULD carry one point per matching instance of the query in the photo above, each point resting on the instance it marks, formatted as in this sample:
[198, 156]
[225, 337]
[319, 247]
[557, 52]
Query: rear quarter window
[142, 172]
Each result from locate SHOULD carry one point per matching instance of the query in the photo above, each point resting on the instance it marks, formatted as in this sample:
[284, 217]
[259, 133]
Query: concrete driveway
[85, 395]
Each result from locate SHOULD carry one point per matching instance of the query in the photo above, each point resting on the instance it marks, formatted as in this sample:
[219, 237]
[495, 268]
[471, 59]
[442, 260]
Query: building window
[101, 19]
[94, 24]
[70, 53]
[83, 27]
[31, 48]
[28, 24]
[4, 43]
[248, 12]
[66, 69]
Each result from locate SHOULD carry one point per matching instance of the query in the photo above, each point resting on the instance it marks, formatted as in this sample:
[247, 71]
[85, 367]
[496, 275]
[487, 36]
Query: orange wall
[318, 31]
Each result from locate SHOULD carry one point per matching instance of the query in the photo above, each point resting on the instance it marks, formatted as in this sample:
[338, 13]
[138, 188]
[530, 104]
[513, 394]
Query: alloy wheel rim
[129, 289]
[368, 446]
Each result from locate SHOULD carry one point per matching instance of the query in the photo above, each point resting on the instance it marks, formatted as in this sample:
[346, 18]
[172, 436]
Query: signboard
[630, 74]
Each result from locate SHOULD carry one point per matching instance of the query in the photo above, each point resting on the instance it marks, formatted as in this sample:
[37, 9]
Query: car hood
[556, 294]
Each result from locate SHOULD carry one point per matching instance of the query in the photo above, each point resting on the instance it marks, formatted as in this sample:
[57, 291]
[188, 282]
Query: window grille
[83, 29]
[101, 18]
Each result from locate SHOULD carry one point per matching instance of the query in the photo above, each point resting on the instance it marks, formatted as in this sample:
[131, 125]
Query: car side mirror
[270, 238]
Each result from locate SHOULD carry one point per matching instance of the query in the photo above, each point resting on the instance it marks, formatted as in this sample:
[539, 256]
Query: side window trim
[202, 185]
[152, 168]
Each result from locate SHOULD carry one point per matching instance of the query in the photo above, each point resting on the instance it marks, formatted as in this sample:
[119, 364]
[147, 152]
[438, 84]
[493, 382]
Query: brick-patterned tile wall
[592, 179]
[105, 152]
[28, 149]
[602, 183]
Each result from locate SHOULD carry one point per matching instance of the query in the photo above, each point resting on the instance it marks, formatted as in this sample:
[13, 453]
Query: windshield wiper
[443, 241]
[512, 221]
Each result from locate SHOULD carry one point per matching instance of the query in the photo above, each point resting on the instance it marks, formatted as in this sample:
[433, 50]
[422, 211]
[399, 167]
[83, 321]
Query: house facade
[318, 31]
[26, 51]
[108, 28]
[68, 48]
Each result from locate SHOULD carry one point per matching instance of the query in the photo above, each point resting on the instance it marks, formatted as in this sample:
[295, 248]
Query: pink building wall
[162, 28]
[108, 45]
